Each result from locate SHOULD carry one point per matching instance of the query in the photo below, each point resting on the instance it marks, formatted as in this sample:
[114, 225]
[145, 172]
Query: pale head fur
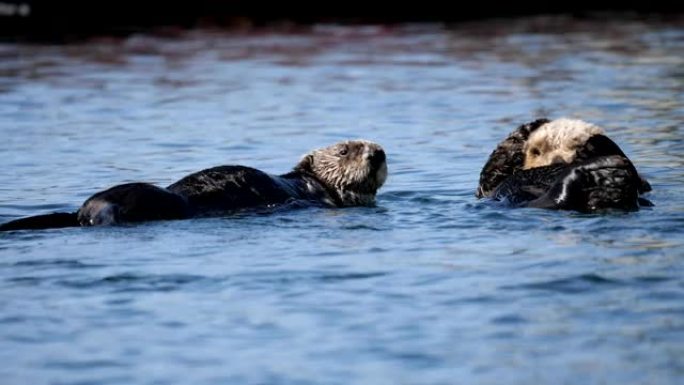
[557, 141]
[353, 169]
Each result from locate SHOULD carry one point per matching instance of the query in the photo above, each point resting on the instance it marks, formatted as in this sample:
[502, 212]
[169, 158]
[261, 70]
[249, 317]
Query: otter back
[132, 202]
[230, 188]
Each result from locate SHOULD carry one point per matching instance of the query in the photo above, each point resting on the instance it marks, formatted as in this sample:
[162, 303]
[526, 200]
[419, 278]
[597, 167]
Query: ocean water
[430, 286]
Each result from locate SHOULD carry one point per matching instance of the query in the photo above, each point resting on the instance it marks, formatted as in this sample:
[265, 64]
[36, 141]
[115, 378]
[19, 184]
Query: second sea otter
[562, 164]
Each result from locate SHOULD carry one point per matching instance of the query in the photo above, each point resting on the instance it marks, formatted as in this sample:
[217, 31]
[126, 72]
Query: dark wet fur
[527, 185]
[39, 222]
[230, 188]
[601, 145]
[607, 182]
[133, 202]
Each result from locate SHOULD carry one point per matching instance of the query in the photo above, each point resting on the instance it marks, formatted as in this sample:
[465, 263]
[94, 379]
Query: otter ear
[306, 164]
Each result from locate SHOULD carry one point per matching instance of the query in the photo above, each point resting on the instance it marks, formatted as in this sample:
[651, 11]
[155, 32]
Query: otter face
[354, 169]
[557, 142]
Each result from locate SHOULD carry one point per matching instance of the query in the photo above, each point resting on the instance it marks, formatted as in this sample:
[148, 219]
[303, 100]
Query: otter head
[557, 141]
[353, 170]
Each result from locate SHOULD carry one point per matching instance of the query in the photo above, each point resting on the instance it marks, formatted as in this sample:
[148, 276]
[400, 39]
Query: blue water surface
[430, 286]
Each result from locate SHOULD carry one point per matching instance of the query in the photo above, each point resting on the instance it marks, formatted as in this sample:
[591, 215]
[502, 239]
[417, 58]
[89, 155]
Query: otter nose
[377, 157]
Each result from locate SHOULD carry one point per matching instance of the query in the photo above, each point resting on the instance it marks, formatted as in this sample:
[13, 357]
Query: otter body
[345, 174]
[562, 164]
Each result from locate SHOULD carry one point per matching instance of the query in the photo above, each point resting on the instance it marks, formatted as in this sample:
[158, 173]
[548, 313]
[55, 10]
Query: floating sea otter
[344, 174]
[562, 164]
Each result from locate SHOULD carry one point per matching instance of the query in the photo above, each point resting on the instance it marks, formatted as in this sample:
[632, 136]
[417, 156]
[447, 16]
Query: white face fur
[348, 168]
[557, 141]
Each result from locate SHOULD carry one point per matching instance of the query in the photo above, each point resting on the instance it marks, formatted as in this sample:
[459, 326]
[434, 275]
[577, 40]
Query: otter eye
[344, 151]
[535, 152]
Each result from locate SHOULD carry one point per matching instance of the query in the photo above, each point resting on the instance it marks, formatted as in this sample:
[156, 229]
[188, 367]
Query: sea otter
[345, 174]
[562, 164]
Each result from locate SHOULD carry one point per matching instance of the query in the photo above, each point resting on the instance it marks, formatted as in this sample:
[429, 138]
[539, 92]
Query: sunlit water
[428, 287]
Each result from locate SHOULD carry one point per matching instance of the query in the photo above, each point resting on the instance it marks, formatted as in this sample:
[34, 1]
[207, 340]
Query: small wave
[67, 263]
[127, 282]
[362, 226]
[84, 364]
[304, 276]
[509, 319]
[25, 281]
[349, 276]
[571, 285]
[420, 197]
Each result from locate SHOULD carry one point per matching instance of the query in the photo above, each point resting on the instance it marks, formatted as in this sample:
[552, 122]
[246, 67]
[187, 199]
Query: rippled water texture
[429, 287]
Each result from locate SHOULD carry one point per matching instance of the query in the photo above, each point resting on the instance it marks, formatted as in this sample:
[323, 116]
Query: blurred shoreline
[66, 20]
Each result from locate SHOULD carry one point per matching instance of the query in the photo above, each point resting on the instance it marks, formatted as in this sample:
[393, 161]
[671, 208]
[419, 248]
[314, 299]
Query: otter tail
[38, 222]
